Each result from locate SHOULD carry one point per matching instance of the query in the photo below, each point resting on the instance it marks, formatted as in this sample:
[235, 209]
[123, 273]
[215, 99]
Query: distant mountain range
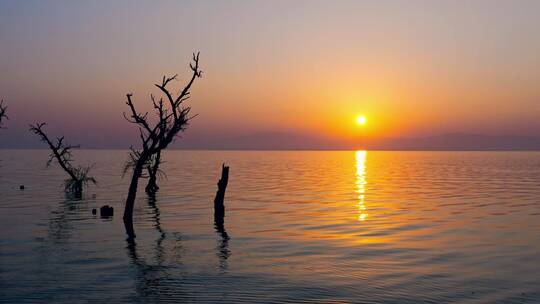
[291, 141]
[459, 141]
[288, 141]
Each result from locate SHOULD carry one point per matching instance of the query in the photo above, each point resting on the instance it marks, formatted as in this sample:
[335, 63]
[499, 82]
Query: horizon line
[304, 150]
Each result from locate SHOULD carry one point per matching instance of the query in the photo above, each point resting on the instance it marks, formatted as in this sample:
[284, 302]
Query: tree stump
[219, 207]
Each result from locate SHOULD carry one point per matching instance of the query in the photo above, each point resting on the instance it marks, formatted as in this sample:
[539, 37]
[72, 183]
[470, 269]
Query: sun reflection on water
[361, 184]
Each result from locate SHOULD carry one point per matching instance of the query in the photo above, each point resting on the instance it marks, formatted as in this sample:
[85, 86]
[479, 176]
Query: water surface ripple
[300, 227]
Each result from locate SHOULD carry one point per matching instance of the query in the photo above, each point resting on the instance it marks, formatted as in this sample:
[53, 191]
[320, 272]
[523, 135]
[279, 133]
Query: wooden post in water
[219, 207]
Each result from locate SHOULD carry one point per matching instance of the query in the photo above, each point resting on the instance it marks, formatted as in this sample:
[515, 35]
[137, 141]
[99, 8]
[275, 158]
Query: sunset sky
[412, 68]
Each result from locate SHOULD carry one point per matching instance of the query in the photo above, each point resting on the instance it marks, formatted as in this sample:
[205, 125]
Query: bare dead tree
[172, 117]
[3, 113]
[61, 152]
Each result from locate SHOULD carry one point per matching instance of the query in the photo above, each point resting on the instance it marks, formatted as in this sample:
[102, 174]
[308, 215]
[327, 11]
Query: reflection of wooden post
[219, 218]
[219, 207]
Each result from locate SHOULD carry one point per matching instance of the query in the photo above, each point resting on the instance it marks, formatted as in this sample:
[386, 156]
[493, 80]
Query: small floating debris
[21, 187]
[106, 211]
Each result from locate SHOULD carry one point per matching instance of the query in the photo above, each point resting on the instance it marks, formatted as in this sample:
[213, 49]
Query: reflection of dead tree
[63, 219]
[152, 277]
[172, 119]
[61, 152]
[3, 115]
[156, 215]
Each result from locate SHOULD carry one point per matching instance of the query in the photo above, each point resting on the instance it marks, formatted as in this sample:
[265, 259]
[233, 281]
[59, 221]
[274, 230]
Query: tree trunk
[219, 207]
[132, 194]
[153, 169]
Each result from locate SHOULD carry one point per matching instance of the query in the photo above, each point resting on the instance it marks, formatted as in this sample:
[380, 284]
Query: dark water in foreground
[317, 227]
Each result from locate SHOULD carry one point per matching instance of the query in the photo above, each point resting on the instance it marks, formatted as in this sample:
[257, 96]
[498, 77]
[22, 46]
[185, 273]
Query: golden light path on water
[361, 184]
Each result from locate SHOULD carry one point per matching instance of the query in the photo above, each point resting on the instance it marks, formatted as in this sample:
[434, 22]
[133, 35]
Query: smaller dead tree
[3, 111]
[153, 172]
[61, 152]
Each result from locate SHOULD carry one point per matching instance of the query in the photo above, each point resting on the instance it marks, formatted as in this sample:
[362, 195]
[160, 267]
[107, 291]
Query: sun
[361, 120]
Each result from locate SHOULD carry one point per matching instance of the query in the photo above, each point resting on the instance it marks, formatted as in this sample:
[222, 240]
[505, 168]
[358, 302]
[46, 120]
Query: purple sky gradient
[414, 68]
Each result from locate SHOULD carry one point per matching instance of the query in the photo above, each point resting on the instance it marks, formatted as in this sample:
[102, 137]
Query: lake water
[313, 227]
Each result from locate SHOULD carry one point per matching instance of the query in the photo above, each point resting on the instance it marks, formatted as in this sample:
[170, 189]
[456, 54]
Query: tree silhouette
[172, 118]
[150, 171]
[3, 113]
[61, 152]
